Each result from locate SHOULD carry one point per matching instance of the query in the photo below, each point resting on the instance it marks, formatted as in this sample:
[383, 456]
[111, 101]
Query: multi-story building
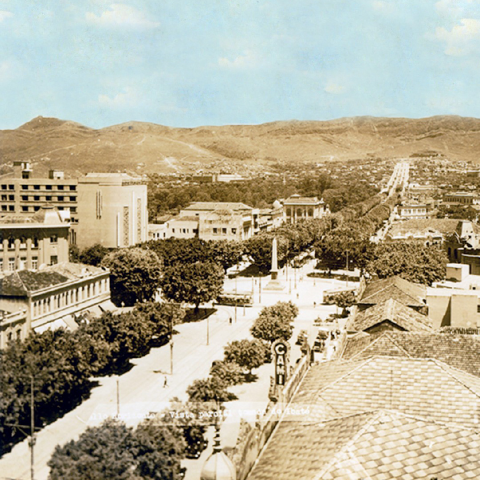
[414, 210]
[33, 240]
[297, 208]
[461, 198]
[214, 221]
[50, 298]
[112, 208]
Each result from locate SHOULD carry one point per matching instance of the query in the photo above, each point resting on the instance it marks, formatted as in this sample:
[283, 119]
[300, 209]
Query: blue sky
[212, 62]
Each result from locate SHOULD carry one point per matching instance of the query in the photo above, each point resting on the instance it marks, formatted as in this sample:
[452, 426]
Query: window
[224, 231]
[215, 230]
[11, 264]
[11, 208]
[23, 242]
[72, 199]
[34, 263]
[48, 187]
[73, 209]
[24, 187]
[24, 209]
[36, 187]
[4, 198]
[234, 231]
[25, 198]
[73, 187]
[54, 238]
[53, 260]
[23, 260]
[19, 334]
[4, 187]
[36, 198]
[35, 243]
[60, 187]
[11, 198]
[11, 187]
[4, 208]
[11, 243]
[60, 199]
[1, 264]
[173, 230]
[48, 198]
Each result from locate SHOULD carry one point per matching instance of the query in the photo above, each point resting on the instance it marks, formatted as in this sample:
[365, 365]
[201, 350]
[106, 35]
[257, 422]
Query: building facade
[298, 209]
[112, 209]
[34, 240]
[106, 208]
[51, 298]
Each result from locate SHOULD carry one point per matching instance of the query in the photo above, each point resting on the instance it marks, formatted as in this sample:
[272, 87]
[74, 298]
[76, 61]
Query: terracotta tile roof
[297, 200]
[218, 206]
[440, 225]
[459, 351]
[399, 289]
[377, 445]
[423, 387]
[395, 313]
[21, 282]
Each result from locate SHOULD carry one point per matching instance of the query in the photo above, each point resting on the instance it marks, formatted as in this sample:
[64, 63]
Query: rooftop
[393, 312]
[397, 288]
[46, 215]
[434, 225]
[378, 445]
[414, 386]
[208, 206]
[459, 351]
[23, 282]
[298, 200]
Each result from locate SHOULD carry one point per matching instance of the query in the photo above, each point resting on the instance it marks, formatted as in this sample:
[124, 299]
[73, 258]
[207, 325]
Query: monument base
[274, 284]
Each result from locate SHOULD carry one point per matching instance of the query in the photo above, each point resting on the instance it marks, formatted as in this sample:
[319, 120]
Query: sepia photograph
[239, 240]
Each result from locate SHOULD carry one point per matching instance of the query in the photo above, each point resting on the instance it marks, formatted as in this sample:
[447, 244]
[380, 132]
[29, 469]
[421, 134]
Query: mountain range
[50, 143]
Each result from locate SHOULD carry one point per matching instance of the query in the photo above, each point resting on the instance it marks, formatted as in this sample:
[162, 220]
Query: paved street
[142, 388]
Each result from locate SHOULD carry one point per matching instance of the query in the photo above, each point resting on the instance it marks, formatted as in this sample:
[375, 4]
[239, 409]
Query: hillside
[146, 147]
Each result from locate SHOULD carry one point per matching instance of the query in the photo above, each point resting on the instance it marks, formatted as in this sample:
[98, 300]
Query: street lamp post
[208, 331]
[260, 290]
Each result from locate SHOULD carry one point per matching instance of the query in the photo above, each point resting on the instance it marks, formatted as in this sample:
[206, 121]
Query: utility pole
[171, 345]
[259, 289]
[118, 396]
[31, 435]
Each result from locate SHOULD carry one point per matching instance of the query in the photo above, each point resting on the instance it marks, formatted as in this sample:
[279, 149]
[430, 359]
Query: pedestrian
[230, 320]
[165, 382]
[314, 304]
[298, 296]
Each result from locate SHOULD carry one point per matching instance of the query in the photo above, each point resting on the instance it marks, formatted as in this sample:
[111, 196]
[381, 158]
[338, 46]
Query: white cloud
[454, 8]
[10, 70]
[121, 15]
[129, 98]
[334, 88]
[4, 15]
[382, 6]
[461, 39]
[248, 59]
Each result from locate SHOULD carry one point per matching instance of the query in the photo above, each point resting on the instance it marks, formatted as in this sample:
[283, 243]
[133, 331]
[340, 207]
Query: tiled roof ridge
[378, 338]
[452, 370]
[394, 283]
[360, 364]
[25, 289]
[345, 449]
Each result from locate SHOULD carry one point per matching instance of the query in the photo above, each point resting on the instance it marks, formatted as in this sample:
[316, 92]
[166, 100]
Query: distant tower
[218, 466]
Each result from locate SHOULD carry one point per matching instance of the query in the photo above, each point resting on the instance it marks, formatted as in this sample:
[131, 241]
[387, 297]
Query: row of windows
[23, 241]
[223, 231]
[11, 263]
[48, 198]
[70, 297]
[47, 187]
[185, 230]
[10, 198]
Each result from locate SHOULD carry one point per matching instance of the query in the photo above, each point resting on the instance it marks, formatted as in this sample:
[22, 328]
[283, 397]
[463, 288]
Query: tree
[248, 354]
[413, 261]
[227, 372]
[259, 248]
[134, 273]
[159, 450]
[211, 390]
[73, 254]
[93, 255]
[112, 450]
[225, 253]
[275, 322]
[195, 283]
[161, 316]
[100, 453]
